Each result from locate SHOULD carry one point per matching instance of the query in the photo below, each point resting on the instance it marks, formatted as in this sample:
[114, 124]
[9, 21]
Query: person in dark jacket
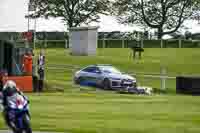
[41, 70]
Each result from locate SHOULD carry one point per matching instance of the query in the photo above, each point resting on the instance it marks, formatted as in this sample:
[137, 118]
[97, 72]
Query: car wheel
[106, 84]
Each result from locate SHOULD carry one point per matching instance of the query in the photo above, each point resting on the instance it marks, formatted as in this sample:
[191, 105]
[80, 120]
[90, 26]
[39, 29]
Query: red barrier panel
[28, 36]
[24, 83]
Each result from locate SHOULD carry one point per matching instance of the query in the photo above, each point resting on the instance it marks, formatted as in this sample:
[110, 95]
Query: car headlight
[134, 80]
[131, 80]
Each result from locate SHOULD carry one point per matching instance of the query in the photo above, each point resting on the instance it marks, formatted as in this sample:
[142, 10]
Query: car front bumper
[122, 83]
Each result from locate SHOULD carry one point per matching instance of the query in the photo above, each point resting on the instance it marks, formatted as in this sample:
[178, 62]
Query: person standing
[41, 70]
[27, 63]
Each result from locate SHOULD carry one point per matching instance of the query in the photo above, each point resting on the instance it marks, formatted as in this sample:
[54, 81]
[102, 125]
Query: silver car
[104, 76]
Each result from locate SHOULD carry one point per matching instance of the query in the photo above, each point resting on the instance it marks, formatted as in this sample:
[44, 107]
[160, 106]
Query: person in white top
[41, 69]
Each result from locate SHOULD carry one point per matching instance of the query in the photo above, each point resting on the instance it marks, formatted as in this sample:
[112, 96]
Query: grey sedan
[104, 76]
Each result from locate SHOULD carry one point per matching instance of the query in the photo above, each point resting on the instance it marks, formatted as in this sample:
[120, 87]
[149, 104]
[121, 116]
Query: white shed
[83, 40]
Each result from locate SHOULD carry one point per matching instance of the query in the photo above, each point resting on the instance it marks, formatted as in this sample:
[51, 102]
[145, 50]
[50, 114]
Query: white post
[28, 17]
[45, 43]
[163, 78]
[161, 43]
[26, 44]
[35, 27]
[142, 40]
[142, 43]
[138, 36]
[45, 40]
[12, 39]
[70, 41]
[104, 43]
[180, 43]
[123, 43]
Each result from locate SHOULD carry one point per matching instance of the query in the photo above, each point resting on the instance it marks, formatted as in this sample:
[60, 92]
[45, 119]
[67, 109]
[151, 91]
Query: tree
[73, 12]
[166, 16]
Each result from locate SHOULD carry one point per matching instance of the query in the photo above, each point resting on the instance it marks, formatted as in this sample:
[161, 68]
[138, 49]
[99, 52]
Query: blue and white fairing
[17, 102]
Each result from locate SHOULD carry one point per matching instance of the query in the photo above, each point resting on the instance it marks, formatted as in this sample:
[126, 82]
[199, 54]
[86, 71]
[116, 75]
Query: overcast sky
[12, 14]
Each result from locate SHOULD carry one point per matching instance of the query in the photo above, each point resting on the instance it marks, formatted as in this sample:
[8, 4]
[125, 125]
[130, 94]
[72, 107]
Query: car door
[91, 74]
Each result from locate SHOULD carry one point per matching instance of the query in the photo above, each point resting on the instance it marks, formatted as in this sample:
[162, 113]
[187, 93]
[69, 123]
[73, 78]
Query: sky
[12, 18]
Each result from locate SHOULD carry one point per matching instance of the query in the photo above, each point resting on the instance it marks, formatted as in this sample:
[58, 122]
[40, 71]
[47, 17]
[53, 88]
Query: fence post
[123, 43]
[66, 44]
[180, 43]
[161, 43]
[104, 44]
[142, 43]
[163, 78]
[27, 44]
[45, 43]
[70, 41]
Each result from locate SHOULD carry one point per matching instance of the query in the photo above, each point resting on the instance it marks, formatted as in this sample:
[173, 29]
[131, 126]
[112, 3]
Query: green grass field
[76, 111]
[112, 113]
[176, 61]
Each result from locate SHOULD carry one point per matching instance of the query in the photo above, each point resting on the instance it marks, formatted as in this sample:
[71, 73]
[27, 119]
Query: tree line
[165, 16]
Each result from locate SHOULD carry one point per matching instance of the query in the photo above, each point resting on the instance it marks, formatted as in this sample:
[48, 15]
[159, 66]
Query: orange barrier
[24, 83]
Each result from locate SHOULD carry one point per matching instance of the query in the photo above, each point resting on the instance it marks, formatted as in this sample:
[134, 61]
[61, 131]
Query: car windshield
[109, 69]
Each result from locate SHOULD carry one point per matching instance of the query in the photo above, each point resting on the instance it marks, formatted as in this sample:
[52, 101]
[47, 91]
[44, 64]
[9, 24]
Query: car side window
[106, 71]
[90, 69]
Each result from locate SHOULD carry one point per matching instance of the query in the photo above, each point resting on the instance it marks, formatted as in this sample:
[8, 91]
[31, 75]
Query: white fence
[124, 43]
